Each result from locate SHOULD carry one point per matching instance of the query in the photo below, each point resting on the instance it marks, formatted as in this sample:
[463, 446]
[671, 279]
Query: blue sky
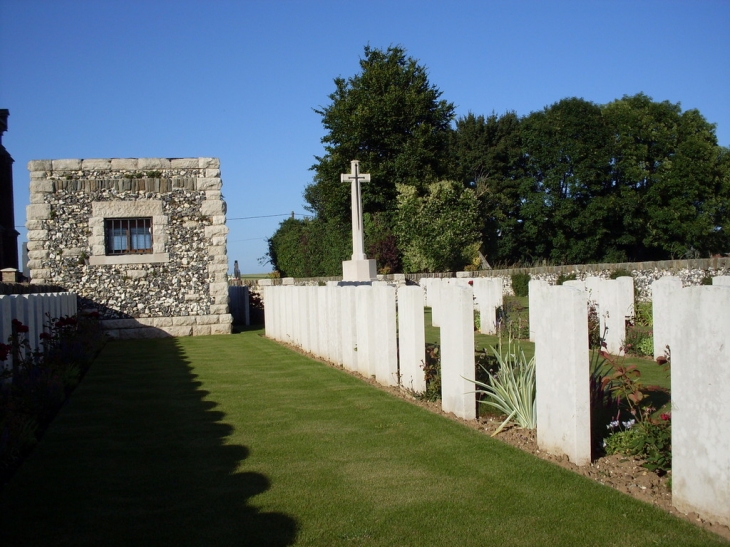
[239, 80]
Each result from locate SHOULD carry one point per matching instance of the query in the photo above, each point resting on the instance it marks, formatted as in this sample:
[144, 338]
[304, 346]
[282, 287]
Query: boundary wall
[691, 272]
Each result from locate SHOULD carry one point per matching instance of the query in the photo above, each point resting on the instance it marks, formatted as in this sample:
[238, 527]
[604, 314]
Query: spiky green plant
[512, 388]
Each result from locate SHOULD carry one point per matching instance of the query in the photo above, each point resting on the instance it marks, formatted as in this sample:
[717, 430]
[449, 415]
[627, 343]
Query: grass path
[235, 440]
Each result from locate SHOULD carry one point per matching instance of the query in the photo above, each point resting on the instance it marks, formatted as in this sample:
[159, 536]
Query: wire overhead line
[292, 214]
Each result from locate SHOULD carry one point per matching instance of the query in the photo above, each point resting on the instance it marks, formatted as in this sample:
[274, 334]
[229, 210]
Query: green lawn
[235, 440]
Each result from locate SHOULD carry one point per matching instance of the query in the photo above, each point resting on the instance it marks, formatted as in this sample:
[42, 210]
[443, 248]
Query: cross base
[359, 270]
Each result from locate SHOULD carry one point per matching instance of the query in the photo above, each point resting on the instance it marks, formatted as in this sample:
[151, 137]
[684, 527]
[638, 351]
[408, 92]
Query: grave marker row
[357, 327]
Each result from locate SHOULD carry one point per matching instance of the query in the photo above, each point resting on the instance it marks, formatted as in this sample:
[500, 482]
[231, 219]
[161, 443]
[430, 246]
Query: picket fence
[35, 311]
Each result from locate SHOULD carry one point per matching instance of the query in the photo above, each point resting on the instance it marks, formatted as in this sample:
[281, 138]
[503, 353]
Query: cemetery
[551, 388]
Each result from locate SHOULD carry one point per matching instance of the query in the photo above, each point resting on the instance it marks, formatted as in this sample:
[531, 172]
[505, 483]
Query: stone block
[36, 245]
[40, 276]
[124, 164]
[183, 321]
[213, 173]
[38, 211]
[201, 330]
[179, 331]
[220, 328]
[209, 163]
[218, 260]
[208, 183]
[359, 270]
[265, 282]
[33, 264]
[219, 289]
[41, 187]
[212, 231]
[218, 240]
[206, 319]
[217, 220]
[40, 165]
[38, 175]
[184, 163]
[96, 165]
[37, 199]
[216, 250]
[34, 255]
[219, 309]
[136, 274]
[216, 207]
[37, 235]
[66, 165]
[213, 194]
[153, 164]
[34, 225]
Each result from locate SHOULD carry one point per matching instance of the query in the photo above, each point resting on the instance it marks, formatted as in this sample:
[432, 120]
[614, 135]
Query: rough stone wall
[179, 290]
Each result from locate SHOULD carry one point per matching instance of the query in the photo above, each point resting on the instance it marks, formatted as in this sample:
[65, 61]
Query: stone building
[141, 241]
[8, 233]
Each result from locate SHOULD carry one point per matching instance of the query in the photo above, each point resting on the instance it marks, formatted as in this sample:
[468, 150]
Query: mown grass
[235, 440]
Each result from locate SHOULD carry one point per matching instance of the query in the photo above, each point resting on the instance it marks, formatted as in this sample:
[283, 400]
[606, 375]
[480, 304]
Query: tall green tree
[669, 178]
[392, 119]
[566, 193]
[486, 155]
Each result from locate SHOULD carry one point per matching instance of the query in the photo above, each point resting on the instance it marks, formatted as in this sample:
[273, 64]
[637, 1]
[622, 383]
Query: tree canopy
[575, 182]
[392, 119]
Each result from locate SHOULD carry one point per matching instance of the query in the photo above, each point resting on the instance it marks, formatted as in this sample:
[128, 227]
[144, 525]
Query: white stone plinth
[359, 270]
[386, 349]
[562, 375]
[411, 338]
[700, 411]
[457, 351]
[662, 291]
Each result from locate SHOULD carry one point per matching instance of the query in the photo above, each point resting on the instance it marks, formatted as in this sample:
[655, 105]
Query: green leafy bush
[521, 284]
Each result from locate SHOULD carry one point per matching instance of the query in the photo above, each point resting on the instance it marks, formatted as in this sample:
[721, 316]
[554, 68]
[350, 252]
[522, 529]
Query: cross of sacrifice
[355, 178]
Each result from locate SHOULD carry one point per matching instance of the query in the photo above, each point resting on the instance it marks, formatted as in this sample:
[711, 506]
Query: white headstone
[562, 372]
[411, 338]
[662, 291]
[457, 352]
[700, 411]
[386, 349]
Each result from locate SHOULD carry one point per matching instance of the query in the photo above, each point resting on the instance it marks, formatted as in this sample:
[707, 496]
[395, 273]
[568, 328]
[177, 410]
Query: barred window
[128, 235]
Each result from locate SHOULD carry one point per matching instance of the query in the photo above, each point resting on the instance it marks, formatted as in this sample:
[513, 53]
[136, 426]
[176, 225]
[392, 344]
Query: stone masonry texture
[186, 276]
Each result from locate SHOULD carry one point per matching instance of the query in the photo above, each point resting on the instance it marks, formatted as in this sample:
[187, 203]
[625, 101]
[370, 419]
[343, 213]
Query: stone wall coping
[132, 164]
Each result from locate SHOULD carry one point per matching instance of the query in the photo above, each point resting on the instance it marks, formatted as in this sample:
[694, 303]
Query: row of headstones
[379, 332]
[695, 323]
[34, 311]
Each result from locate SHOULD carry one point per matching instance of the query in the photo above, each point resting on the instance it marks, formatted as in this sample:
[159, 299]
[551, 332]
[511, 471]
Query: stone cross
[355, 178]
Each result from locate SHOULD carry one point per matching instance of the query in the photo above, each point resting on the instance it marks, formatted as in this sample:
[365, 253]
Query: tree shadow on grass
[139, 457]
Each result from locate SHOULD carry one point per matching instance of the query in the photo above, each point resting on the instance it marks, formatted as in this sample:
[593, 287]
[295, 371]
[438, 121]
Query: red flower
[45, 336]
[4, 351]
[666, 417]
[471, 282]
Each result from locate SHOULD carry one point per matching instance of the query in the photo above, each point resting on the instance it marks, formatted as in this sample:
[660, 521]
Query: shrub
[511, 389]
[432, 372]
[521, 284]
